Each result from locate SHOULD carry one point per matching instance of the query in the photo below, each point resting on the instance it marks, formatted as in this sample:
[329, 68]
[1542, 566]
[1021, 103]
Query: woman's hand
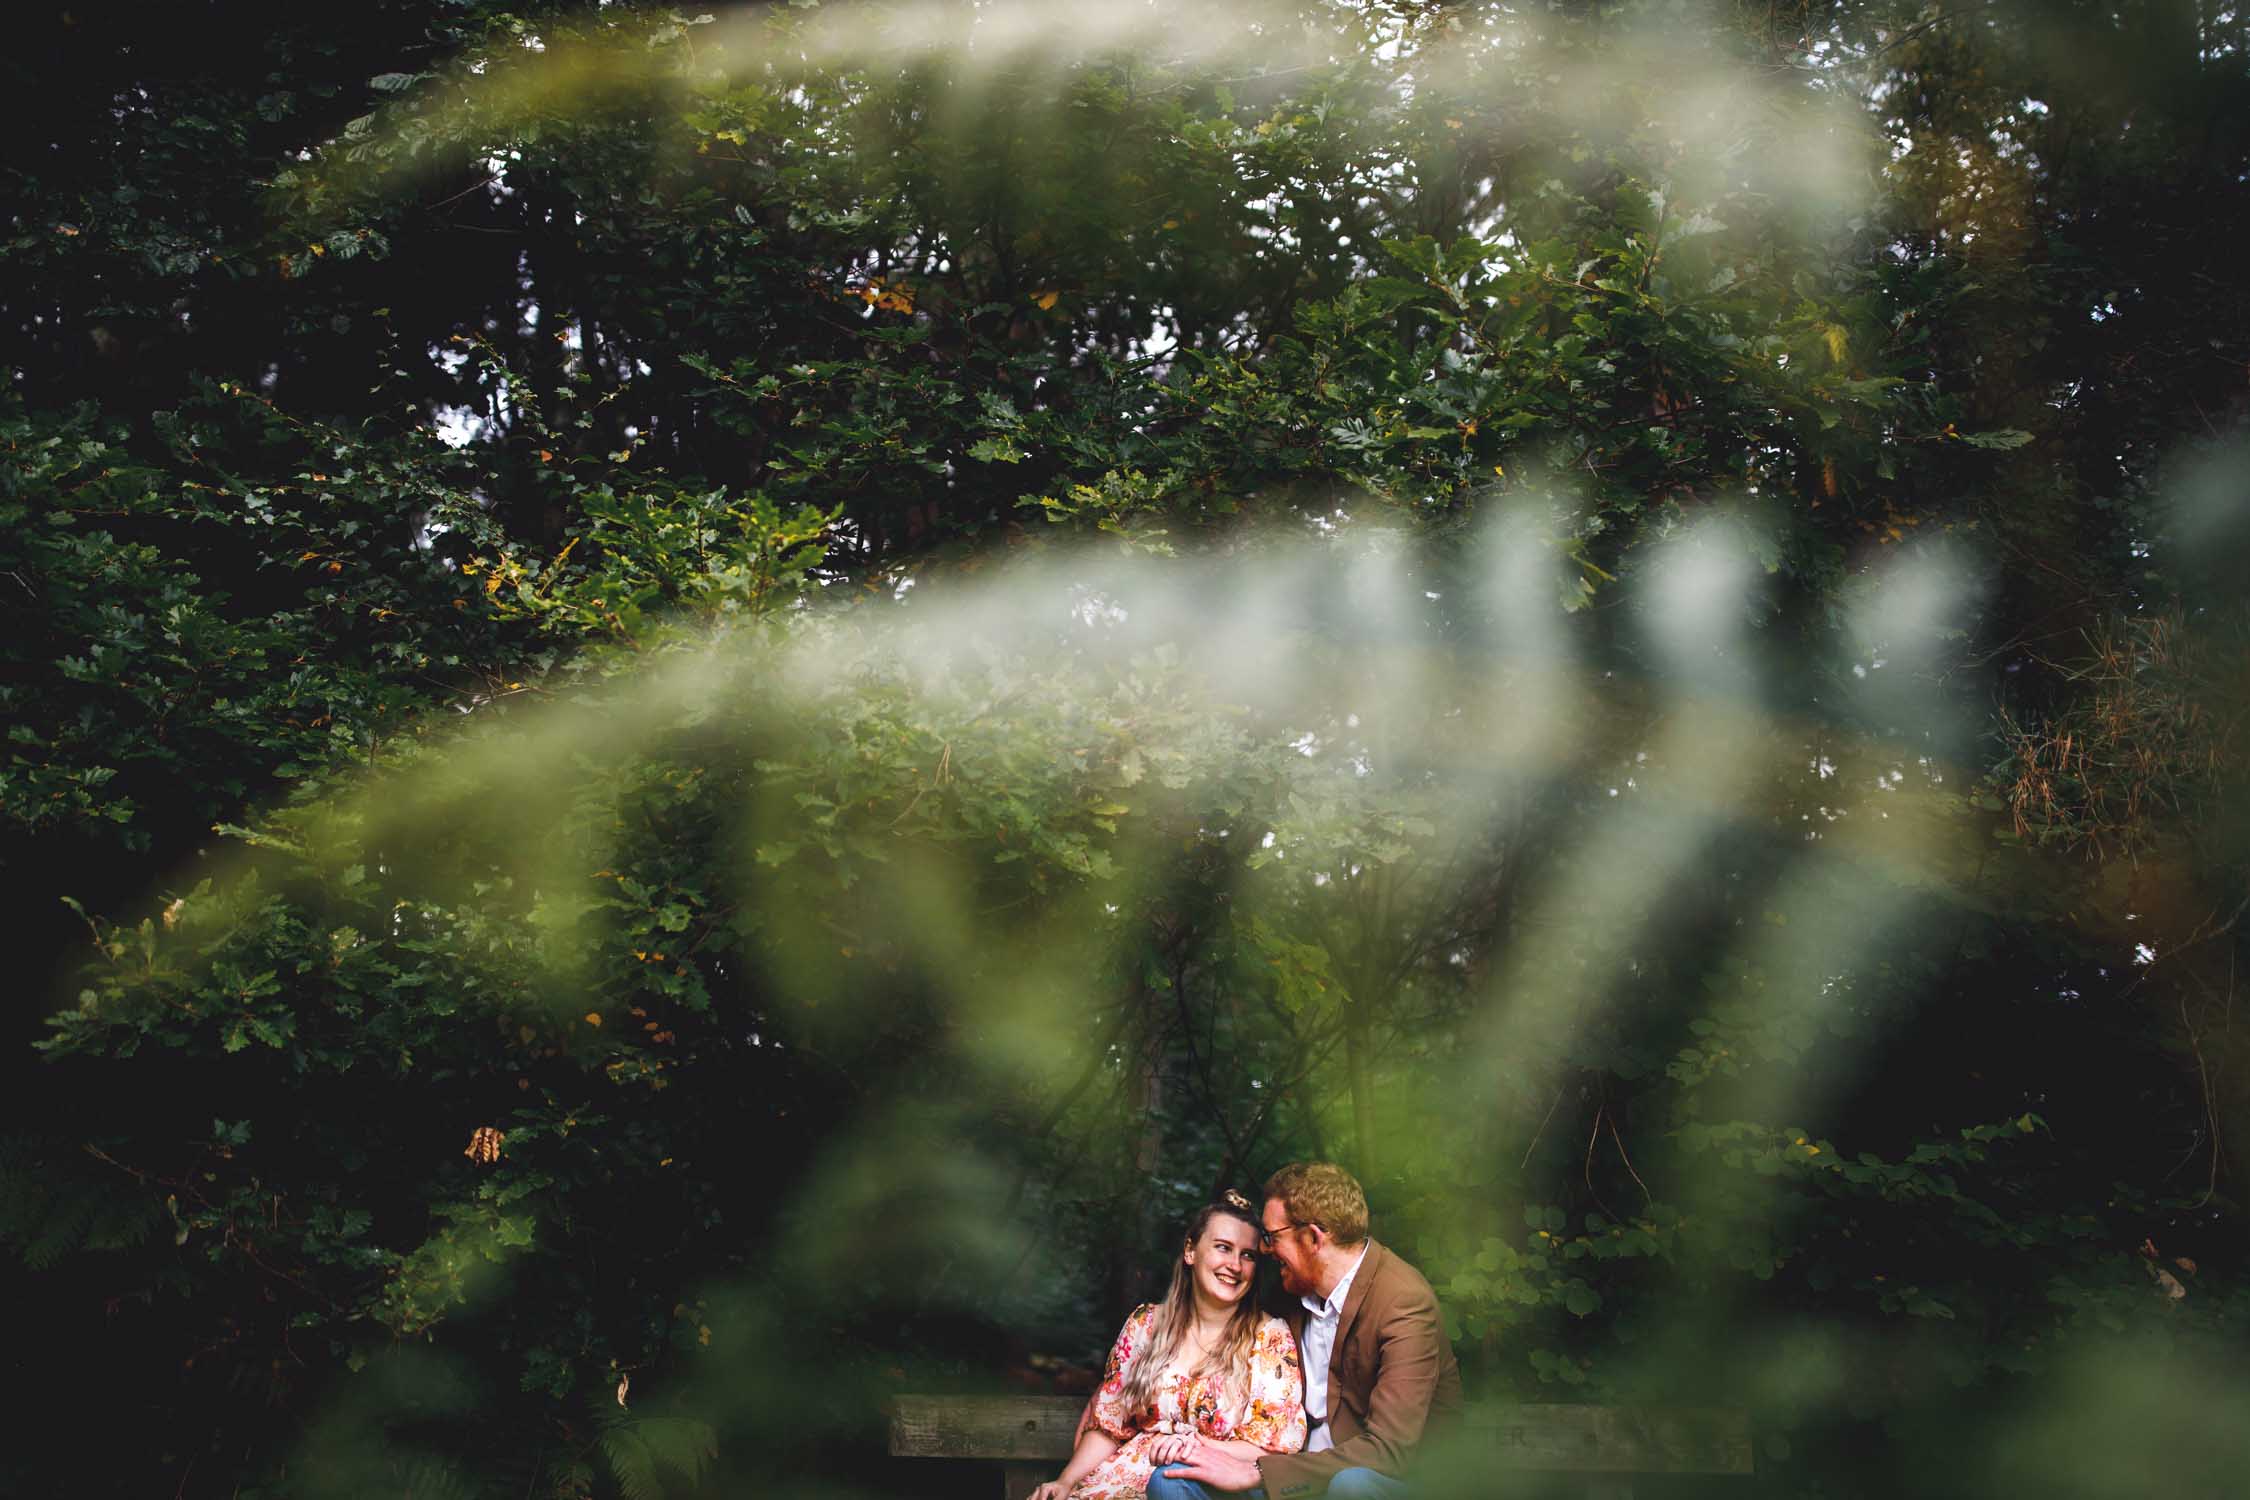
[1053, 1489]
[1174, 1448]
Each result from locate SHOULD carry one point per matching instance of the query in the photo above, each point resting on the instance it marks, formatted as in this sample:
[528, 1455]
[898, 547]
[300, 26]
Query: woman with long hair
[1203, 1368]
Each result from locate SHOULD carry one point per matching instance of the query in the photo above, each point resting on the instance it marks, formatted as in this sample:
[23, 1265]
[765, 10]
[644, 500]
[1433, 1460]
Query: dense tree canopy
[702, 706]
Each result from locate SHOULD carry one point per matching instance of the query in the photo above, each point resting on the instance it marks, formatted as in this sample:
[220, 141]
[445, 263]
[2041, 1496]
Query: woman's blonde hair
[1175, 1316]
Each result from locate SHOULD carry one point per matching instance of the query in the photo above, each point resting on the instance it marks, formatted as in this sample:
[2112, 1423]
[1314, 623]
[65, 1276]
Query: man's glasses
[1266, 1236]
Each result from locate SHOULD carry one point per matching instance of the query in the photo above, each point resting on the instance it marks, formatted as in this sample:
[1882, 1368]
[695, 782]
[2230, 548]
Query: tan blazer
[1392, 1379]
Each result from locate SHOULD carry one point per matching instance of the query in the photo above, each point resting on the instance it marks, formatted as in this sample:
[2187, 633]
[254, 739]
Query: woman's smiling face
[1224, 1259]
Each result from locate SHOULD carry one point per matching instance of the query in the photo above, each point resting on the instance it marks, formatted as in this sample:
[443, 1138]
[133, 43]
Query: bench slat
[1007, 1427]
[1555, 1439]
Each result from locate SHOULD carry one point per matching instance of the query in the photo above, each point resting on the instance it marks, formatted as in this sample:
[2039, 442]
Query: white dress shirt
[1320, 1343]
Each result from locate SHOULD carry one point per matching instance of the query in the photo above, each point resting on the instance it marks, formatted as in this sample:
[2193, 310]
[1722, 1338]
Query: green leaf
[998, 449]
[2001, 437]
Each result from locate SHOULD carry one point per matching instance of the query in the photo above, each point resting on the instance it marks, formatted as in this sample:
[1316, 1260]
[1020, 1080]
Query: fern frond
[632, 1463]
[646, 1453]
[425, 1476]
[51, 1210]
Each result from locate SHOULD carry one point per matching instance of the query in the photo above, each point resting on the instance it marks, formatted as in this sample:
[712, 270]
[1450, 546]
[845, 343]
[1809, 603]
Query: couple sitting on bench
[1206, 1394]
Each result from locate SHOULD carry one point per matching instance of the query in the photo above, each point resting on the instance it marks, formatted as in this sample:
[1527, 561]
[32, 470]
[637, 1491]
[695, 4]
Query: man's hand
[1220, 1470]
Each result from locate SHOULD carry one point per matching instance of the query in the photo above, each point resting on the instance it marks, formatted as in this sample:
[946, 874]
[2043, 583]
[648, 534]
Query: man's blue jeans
[1348, 1484]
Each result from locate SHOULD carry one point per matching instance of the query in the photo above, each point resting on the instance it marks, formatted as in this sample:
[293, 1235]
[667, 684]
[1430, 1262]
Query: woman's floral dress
[1270, 1414]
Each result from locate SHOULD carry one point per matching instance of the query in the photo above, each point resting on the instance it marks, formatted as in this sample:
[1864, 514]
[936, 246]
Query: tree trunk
[1363, 1097]
[1148, 1156]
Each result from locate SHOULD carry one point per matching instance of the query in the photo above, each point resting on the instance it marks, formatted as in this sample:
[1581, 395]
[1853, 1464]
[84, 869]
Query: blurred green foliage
[702, 709]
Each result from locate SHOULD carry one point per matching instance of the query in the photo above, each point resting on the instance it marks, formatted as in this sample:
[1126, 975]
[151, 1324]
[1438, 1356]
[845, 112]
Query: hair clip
[1237, 1200]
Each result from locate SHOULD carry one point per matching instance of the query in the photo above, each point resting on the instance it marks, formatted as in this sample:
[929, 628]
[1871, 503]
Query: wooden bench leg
[1020, 1479]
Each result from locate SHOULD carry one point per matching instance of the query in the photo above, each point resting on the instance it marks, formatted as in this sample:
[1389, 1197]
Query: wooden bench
[1031, 1437]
